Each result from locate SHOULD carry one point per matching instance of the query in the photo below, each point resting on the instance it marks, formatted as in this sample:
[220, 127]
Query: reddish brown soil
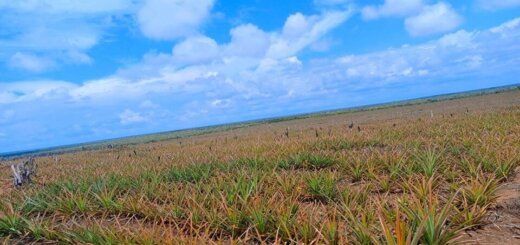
[503, 225]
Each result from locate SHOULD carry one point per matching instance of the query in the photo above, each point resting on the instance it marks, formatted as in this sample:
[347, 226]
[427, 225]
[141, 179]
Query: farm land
[441, 172]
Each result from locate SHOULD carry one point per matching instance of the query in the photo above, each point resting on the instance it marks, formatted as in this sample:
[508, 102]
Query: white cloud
[59, 30]
[433, 19]
[507, 28]
[400, 8]
[215, 92]
[53, 34]
[129, 117]
[323, 45]
[199, 63]
[171, 19]
[455, 53]
[196, 50]
[497, 4]
[110, 86]
[385, 67]
[30, 62]
[460, 39]
[289, 64]
[472, 61]
[247, 40]
[221, 103]
[78, 57]
[300, 31]
[162, 80]
[33, 90]
[296, 25]
[147, 104]
[249, 47]
[421, 19]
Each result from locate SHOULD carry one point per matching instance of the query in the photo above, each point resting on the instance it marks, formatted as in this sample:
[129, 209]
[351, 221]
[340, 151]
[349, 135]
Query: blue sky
[78, 71]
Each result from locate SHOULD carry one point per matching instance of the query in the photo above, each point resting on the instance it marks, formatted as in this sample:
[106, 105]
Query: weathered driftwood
[24, 172]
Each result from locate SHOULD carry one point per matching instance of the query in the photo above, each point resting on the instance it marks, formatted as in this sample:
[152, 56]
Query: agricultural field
[434, 173]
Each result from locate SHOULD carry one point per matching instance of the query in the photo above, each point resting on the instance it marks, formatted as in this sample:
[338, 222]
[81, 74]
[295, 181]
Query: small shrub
[330, 232]
[191, 173]
[322, 187]
[481, 191]
[435, 219]
[357, 171]
[12, 225]
[306, 161]
[504, 170]
[307, 232]
[262, 219]
[429, 162]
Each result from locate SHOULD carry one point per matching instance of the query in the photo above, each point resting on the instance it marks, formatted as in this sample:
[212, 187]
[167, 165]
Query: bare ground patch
[504, 219]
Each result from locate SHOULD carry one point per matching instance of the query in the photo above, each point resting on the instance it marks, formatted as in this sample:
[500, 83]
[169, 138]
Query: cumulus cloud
[171, 19]
[455, 53]
[389, 8]
[296, 25]
[433, 19]
[249, 47]
[247, 40]
[196, 50]
[421, 19]
[461, 54]
[30, 62]
[461, 50]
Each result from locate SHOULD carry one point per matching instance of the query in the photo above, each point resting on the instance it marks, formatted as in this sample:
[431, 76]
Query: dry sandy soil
[504, 220]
